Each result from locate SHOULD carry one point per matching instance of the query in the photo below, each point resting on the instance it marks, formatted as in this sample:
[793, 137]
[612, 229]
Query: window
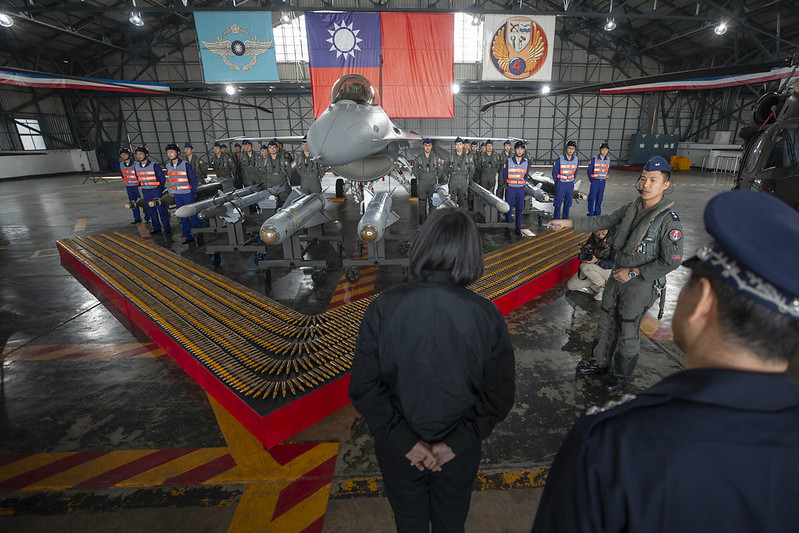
[291, 43]
[28, 129]
[468, 38]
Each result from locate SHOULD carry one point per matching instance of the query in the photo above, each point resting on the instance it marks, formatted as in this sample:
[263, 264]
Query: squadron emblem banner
[518, 48]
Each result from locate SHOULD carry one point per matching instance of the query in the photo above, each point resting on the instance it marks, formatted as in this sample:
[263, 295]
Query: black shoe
[518, 233]
[189, 240]
[136, 222]
[591, 368]
[615, 383]
[154, 231]
[168, 231]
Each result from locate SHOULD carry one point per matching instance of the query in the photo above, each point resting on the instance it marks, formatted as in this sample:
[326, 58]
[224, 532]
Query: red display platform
[521, 295]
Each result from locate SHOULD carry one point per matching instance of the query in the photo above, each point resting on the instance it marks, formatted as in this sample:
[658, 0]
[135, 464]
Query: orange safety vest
[129, 176]
[601, 168]
[147, 177]
[516, 172]
[568, 169]
[178, 177]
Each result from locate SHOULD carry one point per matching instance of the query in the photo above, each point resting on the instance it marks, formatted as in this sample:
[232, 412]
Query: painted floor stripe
[89, 470]
[33, 476]
[316, 527]
[304, 487]
[135, 467]
[84, 351]
[203, 473]
[303, 514]
[80, 224]
[160, 474]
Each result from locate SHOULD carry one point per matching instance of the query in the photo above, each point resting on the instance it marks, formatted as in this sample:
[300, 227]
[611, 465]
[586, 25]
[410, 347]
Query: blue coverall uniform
[152, 181]
[183, 183]
[598, 170]
[132, 185]
[563, 172]
[515, 173]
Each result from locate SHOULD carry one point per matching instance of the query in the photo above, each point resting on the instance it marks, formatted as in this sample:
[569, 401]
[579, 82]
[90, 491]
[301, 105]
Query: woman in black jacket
[433, 374]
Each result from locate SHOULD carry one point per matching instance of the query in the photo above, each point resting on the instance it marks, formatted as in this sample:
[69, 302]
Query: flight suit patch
[675, 235]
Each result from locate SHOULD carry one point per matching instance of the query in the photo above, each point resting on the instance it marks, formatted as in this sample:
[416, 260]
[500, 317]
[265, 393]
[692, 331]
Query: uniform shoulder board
[674, 216]
[595, 409]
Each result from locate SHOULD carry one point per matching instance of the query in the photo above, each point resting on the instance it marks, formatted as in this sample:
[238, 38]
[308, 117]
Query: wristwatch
[631, 273]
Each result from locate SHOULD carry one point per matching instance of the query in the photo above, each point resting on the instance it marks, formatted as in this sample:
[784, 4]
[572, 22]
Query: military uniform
[503, 156]
[224, 168]
[428, 172]
[200, 167]
[249, 168]
[276, 171]
[650, 241]
[460, 169]
[310, 172]
[489, 165]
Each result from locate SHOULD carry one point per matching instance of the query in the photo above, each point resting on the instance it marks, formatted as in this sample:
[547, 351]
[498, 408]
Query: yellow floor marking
[173, 468]
[305, 462]
[350, 293]
[27, 464]
[80, 224]
[47, 252]
[93, 468]
[649, 326]
[97, 351]
[254, 511]
[303, 514]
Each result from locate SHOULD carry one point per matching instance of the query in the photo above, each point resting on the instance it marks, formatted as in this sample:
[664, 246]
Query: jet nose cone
[269, 235]
[368, 233]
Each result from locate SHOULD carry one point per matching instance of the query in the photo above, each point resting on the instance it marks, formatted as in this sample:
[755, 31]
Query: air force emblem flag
[236, 46]
[518, 48]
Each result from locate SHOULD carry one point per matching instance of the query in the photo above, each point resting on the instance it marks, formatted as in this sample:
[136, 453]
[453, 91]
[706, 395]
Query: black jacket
[433, 362]
[601, 248]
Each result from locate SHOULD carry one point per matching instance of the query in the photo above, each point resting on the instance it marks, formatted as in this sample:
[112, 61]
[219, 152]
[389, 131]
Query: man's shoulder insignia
[675, 235]
[674, 216]
[595, 409]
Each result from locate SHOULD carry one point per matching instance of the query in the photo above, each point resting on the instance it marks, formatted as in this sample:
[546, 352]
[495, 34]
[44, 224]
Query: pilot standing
[563, 172]
[126, 168]
[504, 156]
[239, 181]
[152, 181]
[598, 169]
[427, 167]
[284, 153]
[515, 174]
[712, 447]
[489, 164]
[183, 182]
[200, 167]
[648, 246]
[248, 163]
[224, 167]
[278, 170]
[310, 171]
[459, 171]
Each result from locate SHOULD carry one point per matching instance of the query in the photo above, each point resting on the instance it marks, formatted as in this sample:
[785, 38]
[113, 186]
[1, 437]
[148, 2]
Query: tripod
[93, 175]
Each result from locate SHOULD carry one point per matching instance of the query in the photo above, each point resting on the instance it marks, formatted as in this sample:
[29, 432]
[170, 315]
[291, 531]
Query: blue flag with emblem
[236, 46]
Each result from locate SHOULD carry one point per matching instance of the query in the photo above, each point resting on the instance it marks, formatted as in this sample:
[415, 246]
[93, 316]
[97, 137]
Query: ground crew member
[459, 171]
[504, 156]
[239, 181]
[428, 168]
[563, 172]
[183, 183]
[152, 181]
[515, 173]
[224, 167]
[248, 163]
[489, 164]
[712, 447]
[310, 171]
[200, 167]
[648, 246]
[131, 181]
[598, 169]
[277, 172]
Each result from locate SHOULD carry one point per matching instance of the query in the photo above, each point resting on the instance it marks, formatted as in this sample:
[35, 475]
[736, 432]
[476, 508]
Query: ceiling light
[721, 29]
[230, 90]
[135, 19]
[285, 19]
[456, 88]
[545, 89]
[610, 25]
[476, 20]
[5, 20]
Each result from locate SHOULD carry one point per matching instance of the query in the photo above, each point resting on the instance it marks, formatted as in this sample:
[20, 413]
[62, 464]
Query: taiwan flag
[408, 58]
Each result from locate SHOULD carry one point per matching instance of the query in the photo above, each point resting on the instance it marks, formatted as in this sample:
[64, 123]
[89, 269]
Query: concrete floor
[77, 378]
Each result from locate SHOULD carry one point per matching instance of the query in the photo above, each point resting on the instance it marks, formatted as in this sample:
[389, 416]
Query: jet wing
[286, 139]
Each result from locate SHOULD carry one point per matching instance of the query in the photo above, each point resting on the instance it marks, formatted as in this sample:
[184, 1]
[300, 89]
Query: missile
[377, 217]
[233, 207]
[136, 203]
[578, 195]
[300, 211]
[441, 198]
[537, 193]
[489, 197]
[165, 200]
[548, 185]
[195, 208]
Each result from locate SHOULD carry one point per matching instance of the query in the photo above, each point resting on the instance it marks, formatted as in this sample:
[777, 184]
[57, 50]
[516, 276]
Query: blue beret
[506, 142]
[187, 145]
[217, 143]
[273, 142]
[755, 253]
[489, 142]
[245, 141]
[458, 140]
[657, 163]
[264, 147]
[428, 141]
[237, 144]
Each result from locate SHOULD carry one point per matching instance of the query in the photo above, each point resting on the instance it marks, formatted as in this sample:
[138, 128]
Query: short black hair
[769, 335]
[448, 242]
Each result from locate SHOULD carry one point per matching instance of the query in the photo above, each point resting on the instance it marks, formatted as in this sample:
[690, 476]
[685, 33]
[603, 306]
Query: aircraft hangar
[118, 415]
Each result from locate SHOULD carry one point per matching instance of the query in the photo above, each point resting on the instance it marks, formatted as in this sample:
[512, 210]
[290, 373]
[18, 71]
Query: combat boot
[591, 368]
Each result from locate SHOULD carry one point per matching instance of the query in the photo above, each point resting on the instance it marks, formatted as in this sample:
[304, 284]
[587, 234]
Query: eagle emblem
[237, 47]
[519, 48]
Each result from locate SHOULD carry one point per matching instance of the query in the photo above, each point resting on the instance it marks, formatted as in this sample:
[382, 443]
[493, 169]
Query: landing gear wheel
[319, 276]
[353, 275]
[404, 247]
[216, 259]
[340, 188]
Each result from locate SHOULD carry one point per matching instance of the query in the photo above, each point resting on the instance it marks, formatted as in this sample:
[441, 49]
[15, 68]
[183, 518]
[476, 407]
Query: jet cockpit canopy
[353, 87]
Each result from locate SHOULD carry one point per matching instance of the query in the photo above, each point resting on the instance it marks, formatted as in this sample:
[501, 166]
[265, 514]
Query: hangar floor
[101, 432]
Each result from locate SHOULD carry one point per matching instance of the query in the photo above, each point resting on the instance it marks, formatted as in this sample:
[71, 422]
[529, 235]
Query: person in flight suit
[277, 171]
[459, 171]
[224, 167]
[131, 181]
[598, 169]
[284, 153]
[648, 246]
[238, 182]
[515, 173]
[310, 171]
[152, 181]
[713, 447]
[489, 164]
[248, 163]
[504, 156]
[200, 167]
[427, 167]
[183, 183]
[563, 172]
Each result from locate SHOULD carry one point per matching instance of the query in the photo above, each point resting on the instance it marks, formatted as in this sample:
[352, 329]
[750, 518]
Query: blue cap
[224, 145]
[458, 140]
[188, 145]
[753, 252]
[506, 143]
[264, 147]
[273, 142]
[219, 144]
[304, 138]
[428, 141]
[237, 144]
[246, 141]
[657, 163]
[474, 143]
[489, 142]
[482, 144]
